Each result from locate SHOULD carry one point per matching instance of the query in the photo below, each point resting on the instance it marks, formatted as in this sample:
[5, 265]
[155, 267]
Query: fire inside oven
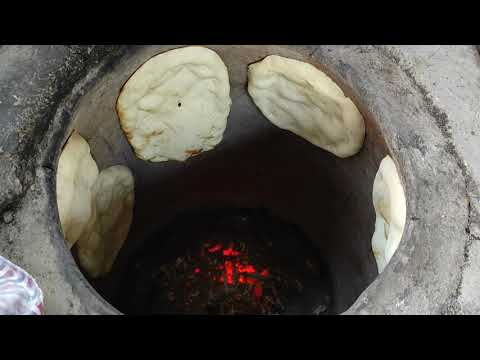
[243, 261]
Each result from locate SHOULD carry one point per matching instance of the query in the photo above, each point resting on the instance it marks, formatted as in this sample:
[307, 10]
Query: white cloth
[19, 292]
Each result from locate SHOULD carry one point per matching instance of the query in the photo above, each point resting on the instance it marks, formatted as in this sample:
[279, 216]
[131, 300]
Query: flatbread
[76, 174]
[176, 104]
[113, 200]
[298, 97]
[390, 210]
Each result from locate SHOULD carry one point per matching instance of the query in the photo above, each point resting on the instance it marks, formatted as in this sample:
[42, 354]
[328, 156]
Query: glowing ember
[249, 269]
[230, 252]
[237, 269]
[235, 272]
[229, 272]
[215, 248]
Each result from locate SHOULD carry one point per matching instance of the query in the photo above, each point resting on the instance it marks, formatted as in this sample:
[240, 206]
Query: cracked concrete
[469, 291]
[449, 76]
[40, 77]
[454, 96]
[424, 97]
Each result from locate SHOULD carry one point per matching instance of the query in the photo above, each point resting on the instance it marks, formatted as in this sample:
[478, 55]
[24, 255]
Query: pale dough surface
[390, 210]
[298, 97]
[113, 200]
[176, 104]
[76, 174]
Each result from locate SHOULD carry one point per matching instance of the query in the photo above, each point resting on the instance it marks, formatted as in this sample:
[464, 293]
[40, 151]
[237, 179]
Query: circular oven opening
[264, 198]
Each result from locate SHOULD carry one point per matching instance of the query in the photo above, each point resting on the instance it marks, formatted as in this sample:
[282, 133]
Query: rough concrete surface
[33, 83]
[425, 99]
[451, 76]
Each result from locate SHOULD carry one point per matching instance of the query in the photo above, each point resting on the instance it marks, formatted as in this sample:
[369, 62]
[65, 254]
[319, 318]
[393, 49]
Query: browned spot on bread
[119, 113]
[127, 133]
[193, 152]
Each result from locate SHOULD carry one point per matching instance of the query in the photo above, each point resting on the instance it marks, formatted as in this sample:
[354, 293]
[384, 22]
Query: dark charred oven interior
[226, 261]
[290, 224]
